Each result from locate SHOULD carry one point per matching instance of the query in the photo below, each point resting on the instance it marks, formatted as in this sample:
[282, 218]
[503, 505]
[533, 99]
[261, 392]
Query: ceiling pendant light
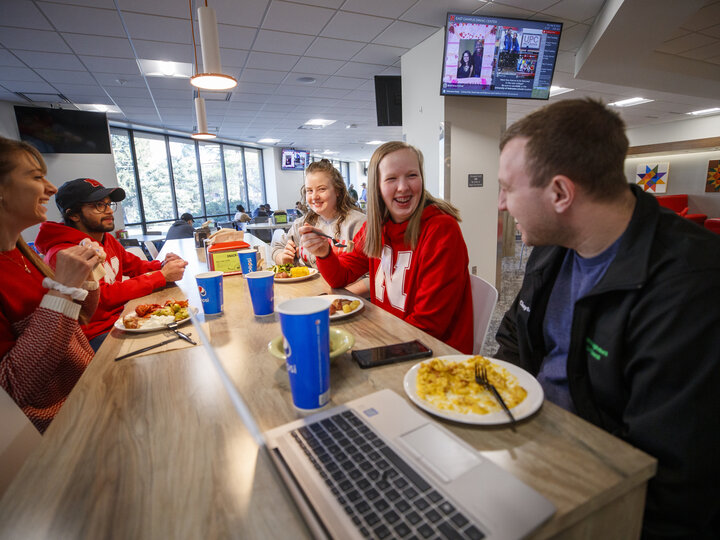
[202, 127]
[212, 77]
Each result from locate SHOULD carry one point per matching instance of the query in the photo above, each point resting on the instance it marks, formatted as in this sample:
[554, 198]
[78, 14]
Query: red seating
[713, 224]
[679, 204]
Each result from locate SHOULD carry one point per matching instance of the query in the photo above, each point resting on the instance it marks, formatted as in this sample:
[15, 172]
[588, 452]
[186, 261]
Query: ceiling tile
[379, 54]
[126, 91]
[28, 86]
[9, 59]
[233, 37]
[572, 37]
[231, 58]
[150, 27]
[262, 76]
[281, 42]
[433, 13]
[338, 49]
[83, 20]
[319, 66]
[531, 5]
[19, 74]
[274, 61]
[32, 40]
[360, 70]
[705, 17]
[171, 52]
[69, 77]
[116, 66]
[355, 26]
[343, 82]
[492, 9]
[23, 14]
[404, 34]
[380, 8]
[110, 80]
[48, 60]
[574, 10]
[288, 17]
[685, 43]
[99, 45]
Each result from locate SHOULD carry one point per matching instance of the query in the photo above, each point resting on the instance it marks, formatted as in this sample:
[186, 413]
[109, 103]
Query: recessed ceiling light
[557, 90]
[269, 141]
[98, 107]
[374, 142]
[164, 68]
[319, 122]
[306, 80]
[630, 102]
[705, 111]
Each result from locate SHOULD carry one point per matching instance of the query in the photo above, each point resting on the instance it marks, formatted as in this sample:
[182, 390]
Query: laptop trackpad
[440, 452]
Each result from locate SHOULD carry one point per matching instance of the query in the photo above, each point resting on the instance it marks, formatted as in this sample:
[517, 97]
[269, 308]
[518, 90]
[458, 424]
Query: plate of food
[445, 386]
[152, 317]
[289, 273]
[341, 341]
[343, 306]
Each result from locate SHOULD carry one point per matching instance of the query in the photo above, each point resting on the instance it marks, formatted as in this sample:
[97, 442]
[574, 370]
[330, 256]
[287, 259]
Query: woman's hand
[314, 243]
[288, 254]
[73, 265]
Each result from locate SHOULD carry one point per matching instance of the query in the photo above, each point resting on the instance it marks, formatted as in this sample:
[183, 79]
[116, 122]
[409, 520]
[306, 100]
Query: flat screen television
[499, 57]
[63, 131]
[294, 160]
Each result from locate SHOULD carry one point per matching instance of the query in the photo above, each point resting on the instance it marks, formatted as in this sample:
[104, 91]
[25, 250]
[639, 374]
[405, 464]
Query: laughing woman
[330, 210]
[43, 351]
[412, 247]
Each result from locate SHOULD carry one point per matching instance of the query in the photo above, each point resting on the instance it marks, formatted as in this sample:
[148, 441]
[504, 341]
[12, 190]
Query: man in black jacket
[182, 228]
[619, 312]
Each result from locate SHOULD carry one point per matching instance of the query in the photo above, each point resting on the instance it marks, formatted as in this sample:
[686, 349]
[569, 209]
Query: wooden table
[152, 447]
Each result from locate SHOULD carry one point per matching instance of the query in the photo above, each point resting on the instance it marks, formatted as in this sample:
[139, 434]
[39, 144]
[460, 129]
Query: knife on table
[150, 347]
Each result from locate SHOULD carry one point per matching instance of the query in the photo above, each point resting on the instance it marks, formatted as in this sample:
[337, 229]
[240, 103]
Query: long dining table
[157, 446]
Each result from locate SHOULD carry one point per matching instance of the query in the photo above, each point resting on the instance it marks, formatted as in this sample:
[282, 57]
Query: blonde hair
[377, 212]
[343, 204]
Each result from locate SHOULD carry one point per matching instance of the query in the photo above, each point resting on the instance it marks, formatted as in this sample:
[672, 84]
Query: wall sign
[475, 180]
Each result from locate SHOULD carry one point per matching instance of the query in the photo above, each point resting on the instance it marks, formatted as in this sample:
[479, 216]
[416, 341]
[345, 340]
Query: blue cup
[305, 324]
[248, 260]
[262, 293]
[210, 285]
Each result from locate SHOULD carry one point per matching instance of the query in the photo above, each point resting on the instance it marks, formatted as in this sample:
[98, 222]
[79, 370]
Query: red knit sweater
[43, 351]
[428, 287]
[144, 276]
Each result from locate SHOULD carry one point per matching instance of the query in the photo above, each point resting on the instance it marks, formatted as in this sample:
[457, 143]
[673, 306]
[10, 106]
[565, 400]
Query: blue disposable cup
[210, 285]
[262, 293]
[248, 260]
[305, 324]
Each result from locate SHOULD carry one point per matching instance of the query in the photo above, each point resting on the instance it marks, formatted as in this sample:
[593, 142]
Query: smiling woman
[43, 351]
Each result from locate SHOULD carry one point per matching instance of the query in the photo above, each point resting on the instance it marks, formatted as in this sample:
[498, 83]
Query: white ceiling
[86, 50]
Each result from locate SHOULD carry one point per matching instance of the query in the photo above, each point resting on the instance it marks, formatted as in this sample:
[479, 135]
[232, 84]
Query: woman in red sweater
[43, 351]
[411, 245]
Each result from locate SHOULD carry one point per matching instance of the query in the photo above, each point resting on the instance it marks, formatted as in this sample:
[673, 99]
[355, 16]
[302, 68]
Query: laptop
[376, 467]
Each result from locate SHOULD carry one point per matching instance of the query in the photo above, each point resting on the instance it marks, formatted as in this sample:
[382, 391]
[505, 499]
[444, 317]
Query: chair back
[126, 242]
[18, 438]
[484, 298]
[137, 251]
[152, 249]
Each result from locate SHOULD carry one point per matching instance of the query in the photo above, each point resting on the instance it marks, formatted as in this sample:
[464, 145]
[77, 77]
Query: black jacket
[644, 360]
[180, 229]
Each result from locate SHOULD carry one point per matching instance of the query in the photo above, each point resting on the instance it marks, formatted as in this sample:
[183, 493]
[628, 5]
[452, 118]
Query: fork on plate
[482, 379]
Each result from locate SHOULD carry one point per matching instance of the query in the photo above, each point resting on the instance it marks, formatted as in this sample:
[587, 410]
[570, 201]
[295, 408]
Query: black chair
[227, 225]
[128, 242]
[261, 234]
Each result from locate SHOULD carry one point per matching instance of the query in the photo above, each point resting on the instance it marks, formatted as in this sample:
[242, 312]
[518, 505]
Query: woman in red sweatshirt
[43, 351]
[412, 247]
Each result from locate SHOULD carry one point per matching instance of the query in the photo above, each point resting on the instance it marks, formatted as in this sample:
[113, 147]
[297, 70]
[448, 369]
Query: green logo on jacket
[595, 350]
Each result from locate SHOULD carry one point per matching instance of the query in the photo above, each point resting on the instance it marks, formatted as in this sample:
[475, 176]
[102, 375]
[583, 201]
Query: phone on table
[391, 354]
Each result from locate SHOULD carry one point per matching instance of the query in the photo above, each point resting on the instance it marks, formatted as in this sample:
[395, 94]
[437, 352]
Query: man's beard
[97, 227]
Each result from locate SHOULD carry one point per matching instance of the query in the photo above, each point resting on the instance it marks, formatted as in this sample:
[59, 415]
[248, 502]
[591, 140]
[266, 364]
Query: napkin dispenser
[201, 234]
[223, 256]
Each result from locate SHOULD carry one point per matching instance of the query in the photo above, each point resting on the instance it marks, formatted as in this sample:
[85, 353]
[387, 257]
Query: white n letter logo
[392, 279]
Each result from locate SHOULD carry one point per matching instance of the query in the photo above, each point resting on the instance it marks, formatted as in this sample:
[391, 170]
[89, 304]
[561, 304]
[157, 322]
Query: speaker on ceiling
[388, 100]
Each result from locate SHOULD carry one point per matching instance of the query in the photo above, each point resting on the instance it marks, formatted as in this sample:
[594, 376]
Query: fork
[173, 326]
[334, 242]
[482, 379]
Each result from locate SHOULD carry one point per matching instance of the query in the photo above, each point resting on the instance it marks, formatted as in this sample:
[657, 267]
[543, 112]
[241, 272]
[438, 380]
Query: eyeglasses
[101, 207]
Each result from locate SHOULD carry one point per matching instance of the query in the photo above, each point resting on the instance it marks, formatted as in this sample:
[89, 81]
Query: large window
[165, 177]
[342, 166]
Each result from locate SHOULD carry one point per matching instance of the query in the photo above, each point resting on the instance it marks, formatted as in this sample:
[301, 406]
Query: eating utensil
[482, 379]
[173, 326]
[148, 348]
[334, 242]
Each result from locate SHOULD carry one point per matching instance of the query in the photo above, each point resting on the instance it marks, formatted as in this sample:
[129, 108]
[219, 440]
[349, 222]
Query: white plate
[342, 314]
[527, 407]
[313, 271]
[119, 324]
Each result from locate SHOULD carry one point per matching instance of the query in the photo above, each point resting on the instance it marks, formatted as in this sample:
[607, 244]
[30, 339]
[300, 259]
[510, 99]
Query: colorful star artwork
[713, 177]
[653, 177]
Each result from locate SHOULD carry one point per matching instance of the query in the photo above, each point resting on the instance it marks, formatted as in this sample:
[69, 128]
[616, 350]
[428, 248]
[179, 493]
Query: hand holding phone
[391, 354]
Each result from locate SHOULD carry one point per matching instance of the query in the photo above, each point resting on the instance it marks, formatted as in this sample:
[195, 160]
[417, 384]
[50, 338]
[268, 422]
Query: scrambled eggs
[451, 386]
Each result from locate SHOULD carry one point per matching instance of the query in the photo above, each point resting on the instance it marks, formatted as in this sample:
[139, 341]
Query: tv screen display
[63, 131]
[294, 160]
[499, 57]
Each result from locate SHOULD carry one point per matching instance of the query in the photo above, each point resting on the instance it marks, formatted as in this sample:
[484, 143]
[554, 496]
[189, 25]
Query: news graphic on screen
[499, 57]
[294, 160]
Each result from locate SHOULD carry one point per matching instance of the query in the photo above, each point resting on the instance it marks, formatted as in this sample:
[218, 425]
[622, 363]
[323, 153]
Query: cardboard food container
[223, 256]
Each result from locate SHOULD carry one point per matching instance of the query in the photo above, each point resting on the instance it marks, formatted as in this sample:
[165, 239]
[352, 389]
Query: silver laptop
[377, 468]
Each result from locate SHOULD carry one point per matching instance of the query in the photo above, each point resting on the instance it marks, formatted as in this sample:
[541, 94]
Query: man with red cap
[87, 208]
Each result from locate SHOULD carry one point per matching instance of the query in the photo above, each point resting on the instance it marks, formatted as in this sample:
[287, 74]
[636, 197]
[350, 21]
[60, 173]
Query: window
[164, 177]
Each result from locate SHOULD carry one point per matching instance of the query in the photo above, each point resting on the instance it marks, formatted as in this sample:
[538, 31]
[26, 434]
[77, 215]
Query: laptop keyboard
[383, 495]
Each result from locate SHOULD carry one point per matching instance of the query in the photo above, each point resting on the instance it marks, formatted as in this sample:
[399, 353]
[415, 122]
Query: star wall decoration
[653, 177]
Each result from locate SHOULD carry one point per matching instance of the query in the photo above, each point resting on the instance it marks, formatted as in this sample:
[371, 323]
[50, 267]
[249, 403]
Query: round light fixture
[213, 81]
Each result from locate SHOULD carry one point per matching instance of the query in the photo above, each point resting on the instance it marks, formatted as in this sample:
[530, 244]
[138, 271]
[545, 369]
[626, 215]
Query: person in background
[87, 208]
[301, 208]
[363, 193]
[43, 351]
[412, 247]
[260, 212]
[617, 316]
[240, 216]
[331, 211]
[353, 194]
[182, 228]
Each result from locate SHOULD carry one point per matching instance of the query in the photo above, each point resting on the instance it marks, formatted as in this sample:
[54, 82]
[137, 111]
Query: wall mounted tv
[63, 131]
[499, 57]
[294, 160]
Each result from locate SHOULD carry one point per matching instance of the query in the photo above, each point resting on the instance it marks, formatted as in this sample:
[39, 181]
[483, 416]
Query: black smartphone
[390, 354]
